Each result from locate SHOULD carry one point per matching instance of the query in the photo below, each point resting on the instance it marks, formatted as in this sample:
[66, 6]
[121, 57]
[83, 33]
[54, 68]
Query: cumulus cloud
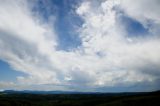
[106, 57]
[122, 60]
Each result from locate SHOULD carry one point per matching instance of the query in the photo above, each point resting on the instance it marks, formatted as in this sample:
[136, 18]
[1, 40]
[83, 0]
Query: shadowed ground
[97, 99]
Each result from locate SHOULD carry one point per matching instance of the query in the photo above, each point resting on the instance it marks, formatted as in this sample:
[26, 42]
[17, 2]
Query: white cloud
[123, 60]
[144, 11]
[106, 57]
[5, 85]
[25, 43]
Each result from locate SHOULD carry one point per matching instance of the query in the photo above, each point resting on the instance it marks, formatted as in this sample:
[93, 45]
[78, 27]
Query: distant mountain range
[72, 92]
[46, 92]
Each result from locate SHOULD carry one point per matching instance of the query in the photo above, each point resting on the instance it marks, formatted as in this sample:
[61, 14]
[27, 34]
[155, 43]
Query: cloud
[25, 44]
[139, 6]
[139, 10]
[5, 85]
[106, 57]
[122, 60]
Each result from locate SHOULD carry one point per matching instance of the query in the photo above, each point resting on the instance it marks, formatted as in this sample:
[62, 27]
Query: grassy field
[119, 99]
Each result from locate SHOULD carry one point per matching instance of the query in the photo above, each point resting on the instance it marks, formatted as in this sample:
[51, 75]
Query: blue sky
[7, 73]
[82, 45]
[66, 20]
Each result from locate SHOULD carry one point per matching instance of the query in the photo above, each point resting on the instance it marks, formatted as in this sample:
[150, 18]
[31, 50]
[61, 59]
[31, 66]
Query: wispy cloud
[106, 57]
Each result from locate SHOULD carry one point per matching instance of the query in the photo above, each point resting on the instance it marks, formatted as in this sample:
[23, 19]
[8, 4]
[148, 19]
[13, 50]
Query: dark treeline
[119, 99]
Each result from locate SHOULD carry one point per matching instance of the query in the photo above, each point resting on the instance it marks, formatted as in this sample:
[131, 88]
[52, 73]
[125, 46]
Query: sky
[80, 45]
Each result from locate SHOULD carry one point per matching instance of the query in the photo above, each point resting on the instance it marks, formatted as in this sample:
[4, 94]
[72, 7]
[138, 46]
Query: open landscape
[79, 52]
[20, 98]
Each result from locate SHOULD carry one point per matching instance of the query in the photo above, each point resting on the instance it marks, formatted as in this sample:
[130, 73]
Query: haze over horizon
[80, 45]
